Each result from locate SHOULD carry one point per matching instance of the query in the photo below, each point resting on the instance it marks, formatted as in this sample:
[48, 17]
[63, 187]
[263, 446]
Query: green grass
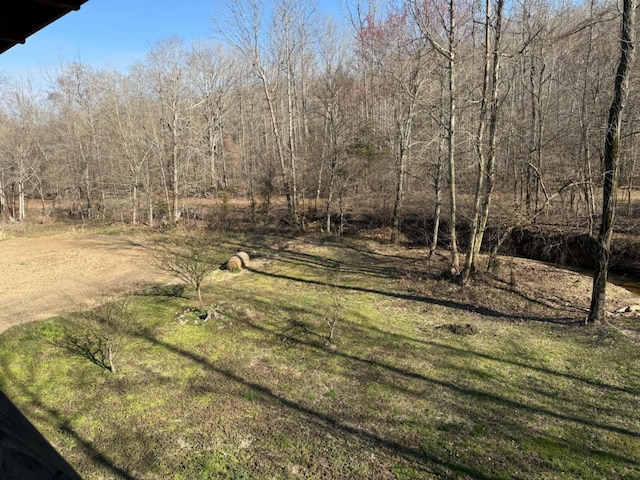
[260, 391]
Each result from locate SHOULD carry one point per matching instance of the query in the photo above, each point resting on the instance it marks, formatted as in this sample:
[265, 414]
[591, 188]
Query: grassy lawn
[420, 380]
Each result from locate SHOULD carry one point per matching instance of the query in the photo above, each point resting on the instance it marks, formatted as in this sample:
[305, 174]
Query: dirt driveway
[47, 276]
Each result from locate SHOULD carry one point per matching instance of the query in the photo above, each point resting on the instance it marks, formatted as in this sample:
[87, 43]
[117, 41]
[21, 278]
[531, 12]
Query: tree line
[471, 109]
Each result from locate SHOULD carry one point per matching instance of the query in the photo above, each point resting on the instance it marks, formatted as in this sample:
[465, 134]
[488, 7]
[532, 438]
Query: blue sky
[115, 33]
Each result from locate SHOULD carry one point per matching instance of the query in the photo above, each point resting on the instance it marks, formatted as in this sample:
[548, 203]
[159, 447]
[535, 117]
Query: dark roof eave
[20, 19]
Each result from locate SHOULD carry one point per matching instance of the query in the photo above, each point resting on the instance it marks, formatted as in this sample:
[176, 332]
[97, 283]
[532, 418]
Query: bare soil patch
[48, 276]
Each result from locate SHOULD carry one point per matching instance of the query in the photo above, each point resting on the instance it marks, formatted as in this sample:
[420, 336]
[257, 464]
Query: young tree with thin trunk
[100, 334]
[398, 55]
[171, 80]
[124, 123]
[292, 26]
[438, 179]
[77, 95]
[216, 76]
[242, 24]
[335, 105]
[486, 160]
[191, 260]
[611, 159]
[446, 45]
[586, 104]
[20, 145]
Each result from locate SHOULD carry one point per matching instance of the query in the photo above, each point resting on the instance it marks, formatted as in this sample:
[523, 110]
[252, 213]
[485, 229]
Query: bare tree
[398, 55]
[100, 334]
[171, 80]
[333, 93]
[486, 161]
[243, 25]
[216, 77]
[19, 145]
[125, 124]
[78, 95]
[446, 45]
[292, 21]
[611, 160]
[191, 260]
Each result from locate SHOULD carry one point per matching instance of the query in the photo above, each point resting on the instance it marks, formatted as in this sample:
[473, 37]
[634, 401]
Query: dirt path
[43, 277]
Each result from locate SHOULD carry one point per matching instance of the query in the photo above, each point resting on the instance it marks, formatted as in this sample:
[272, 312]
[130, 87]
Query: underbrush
[340, 361]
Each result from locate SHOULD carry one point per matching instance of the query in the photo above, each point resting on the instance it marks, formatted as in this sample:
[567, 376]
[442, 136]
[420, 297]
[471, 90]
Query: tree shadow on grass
[577, 417]
[59, 421]
[162, 290]
[305, 333]
[415, 454]
[505, 417]
[477, 394]
[366, 263]
[543, 301]
[474, 402]
[362, 262]
[470, 352]
[467, 307]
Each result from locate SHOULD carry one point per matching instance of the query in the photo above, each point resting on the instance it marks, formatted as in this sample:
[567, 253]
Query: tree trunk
[455, 258]
[475, 236]
[213, 147]
[330, 186]
[276, 136]
[404, 132]
[21, 201]
[13, 200]
[486, 180]
[611, 161]
[437, 207]
[134, 203]
[291, 143]
[87, 190]
[438, 177]
[630, 172]
[111, 354]
[175, 190]
[3, 198]
[585, 140]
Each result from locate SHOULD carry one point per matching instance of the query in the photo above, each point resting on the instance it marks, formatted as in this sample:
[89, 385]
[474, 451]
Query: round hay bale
[244, 256]
[234, 263]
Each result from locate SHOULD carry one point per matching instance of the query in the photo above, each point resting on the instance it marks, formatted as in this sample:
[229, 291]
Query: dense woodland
[469, 112]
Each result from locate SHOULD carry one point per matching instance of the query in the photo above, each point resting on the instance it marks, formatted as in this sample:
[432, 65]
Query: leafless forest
[415, 119]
